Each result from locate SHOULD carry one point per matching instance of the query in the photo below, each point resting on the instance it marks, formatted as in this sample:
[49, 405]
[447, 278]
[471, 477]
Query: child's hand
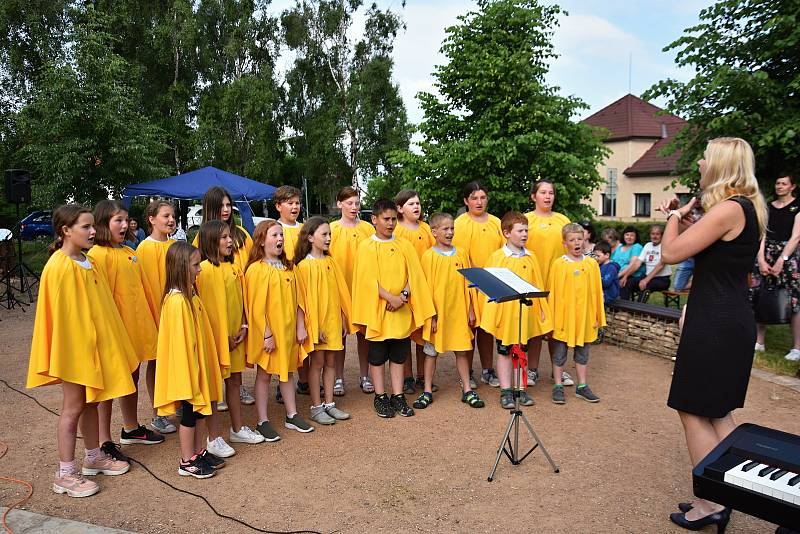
[344, 326]
[269, 344]
[240, 335]
[434, 324]
[323, 338]
[231, 342]
[541, 314]
[471, 318]
[302, 334]
[394, 302]
[596, 324]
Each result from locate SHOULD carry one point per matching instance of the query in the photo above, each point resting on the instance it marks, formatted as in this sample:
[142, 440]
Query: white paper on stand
[512, 280]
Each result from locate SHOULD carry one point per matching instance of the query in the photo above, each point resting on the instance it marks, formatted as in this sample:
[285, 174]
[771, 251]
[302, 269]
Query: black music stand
[503, 285]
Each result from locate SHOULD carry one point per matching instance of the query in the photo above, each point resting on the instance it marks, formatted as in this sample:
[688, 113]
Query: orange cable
[28, 485]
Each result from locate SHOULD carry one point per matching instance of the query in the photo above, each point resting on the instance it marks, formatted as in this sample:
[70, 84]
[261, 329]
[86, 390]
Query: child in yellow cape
[221, 289]
[151, 254]
[417, 232]
[327, 312]
[188, 371]
[80, 342]
[502, 320]
[478, 233]
[390, 301]
[451, 327]
[218, 206]
[346, 234]
[121, 268]
[576, 298]
[278, 340]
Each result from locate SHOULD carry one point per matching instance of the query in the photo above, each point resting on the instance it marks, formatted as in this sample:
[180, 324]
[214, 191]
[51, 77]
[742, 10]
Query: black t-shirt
[781, 220]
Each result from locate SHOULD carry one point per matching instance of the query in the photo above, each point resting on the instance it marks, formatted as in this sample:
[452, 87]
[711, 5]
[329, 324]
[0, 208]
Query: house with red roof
[637, 176]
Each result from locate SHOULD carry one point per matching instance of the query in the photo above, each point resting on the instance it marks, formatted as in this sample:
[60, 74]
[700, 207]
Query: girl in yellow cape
[451, 327]
[576, 298]
[188, 371]
[346, 234]
[502, 320]
[417, 232]
[327, 311]
[278, 340]
[221, 288]
[80, 342]
[478, 233]
[125, 278]
[390, 301]
[152, 253]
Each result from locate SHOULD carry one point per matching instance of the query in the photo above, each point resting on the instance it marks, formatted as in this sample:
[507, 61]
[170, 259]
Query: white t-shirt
[650, 257]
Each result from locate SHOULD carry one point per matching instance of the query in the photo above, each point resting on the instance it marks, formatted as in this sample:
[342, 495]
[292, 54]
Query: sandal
[338, 388]
[472, 398]
[423, 401]
[366, 385]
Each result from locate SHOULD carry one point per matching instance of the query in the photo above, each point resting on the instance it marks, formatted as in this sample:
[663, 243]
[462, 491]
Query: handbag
[772, 303]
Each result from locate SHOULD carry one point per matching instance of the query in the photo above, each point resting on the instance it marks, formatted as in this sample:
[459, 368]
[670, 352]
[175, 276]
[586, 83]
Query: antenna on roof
[630, 69]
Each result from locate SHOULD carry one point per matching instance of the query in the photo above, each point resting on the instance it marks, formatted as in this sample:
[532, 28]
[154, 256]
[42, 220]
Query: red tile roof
[653, 164]
[630, 117]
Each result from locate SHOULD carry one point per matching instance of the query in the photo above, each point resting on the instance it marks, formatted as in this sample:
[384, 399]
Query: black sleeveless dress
[715, 353]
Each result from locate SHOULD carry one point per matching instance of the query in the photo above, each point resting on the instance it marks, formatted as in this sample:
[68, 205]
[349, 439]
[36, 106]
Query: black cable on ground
[137, 462]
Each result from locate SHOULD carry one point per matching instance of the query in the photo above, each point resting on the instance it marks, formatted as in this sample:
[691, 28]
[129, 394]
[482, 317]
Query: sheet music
[512, 280]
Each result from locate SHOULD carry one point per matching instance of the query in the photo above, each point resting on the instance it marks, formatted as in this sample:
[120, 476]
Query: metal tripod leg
[539, 444]
[502, 447]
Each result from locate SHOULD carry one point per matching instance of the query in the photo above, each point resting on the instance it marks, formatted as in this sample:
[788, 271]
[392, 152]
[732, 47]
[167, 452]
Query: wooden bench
[660, 312]
[674, 298]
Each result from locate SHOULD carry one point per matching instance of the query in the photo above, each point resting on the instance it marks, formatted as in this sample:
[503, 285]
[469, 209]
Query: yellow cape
[271, 296]
[451, 298]
[152, 257]
[502, 320]
[126, 281]
[187, 367]
[78, 335]
[290, 235]
[390, 264]
[221, 290]
[240, 255]
[479, 241]
[326, 298]
[344, 245]
[576, 298]
[421, 238]
[545, 241]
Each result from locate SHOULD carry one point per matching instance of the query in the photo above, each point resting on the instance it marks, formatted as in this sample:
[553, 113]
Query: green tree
[496, 119]
[82, 132]
[744, 54]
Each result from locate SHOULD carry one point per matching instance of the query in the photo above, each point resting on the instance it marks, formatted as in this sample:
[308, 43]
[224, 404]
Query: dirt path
[623, 461]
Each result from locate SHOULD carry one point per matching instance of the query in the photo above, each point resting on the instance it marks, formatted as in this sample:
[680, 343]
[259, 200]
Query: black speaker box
[18, 186]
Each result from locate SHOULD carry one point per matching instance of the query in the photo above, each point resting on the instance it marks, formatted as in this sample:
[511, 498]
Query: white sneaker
[246, 435]
[222, 406]
[163, 425]
[218, 447]
[760, 347]
[429, 349]
[793, 355]
[566, 380]
[533, 376]
[245, 396]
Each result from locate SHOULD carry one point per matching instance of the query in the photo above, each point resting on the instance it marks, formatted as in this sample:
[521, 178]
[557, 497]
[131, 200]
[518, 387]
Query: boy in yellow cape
[390, 301]
[576, 298]
[502, 320]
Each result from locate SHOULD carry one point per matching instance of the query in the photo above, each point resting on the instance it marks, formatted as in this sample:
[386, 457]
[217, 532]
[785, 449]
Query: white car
[195, 217]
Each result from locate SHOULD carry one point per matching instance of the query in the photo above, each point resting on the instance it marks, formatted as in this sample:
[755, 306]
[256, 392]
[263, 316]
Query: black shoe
[685, 506]
[383, 406]
[113, 450]
[212, 460]
[408, 385]
[303, 388]
[400, 406]
[141, 435]
[278, 396]
[195, 467]
[720, 519]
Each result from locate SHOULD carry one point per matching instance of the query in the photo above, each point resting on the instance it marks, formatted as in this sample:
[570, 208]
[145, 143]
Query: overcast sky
[596, 42]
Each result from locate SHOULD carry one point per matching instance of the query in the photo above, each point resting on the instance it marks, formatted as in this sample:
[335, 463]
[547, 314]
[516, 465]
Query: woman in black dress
[714, 357]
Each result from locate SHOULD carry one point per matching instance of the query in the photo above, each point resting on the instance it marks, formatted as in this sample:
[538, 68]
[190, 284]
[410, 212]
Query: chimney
[663, 131]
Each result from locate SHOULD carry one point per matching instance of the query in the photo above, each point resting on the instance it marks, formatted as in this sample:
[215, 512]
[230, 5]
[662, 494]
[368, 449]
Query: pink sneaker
[74, 485]
[105, 465]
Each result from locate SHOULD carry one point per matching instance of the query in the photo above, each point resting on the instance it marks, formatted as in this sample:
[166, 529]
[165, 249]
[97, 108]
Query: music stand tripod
[8, 300]
[502, 285]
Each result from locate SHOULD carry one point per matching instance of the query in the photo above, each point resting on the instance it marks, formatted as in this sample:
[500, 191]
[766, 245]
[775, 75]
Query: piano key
[749, 465]
[733, 476]
[767, 470]
[794, 480]
[778, 474]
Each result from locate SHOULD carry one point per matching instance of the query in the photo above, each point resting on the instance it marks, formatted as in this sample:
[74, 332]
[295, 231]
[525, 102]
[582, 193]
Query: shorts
[580, 353]
[189, 417]
[393, 350]
[505, 350]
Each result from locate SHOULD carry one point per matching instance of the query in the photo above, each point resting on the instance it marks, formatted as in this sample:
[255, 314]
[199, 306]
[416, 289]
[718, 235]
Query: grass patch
[778, 341]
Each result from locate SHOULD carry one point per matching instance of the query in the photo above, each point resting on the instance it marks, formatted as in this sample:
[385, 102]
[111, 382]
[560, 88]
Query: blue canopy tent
[194, 184]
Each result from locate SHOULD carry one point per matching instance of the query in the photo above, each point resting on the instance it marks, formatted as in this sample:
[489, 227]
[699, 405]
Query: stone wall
[642, 332]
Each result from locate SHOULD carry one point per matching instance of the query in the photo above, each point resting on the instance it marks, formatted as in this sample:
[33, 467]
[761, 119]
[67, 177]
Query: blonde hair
[571, 228]
[730, 172]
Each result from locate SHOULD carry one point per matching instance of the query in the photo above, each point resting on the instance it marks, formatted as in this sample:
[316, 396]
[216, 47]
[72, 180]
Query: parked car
[194, 217]
[36, 224]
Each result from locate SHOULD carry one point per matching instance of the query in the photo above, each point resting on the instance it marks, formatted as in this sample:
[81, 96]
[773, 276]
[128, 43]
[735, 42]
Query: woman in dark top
[714, 358]
[777, 256]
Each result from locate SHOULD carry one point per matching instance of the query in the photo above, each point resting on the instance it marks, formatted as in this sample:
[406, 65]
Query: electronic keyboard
[755, 470]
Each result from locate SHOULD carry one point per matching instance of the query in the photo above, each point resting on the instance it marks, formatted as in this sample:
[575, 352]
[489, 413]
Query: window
[642, 205]
[608, 208]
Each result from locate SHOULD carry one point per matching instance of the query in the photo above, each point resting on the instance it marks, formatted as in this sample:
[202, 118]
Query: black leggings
[189, 417]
